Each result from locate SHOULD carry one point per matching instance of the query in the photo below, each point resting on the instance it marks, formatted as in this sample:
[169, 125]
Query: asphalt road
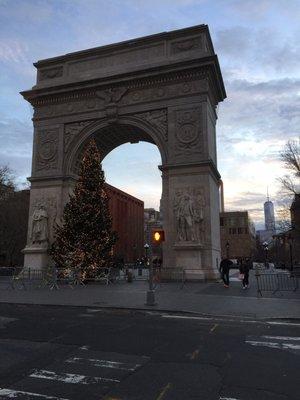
[69, 353]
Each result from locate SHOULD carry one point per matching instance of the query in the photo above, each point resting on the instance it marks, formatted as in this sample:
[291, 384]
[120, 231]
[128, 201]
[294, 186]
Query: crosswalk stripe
[274, 345]
[291, 338]
[18, 394]
[103, 363]
[71, 378]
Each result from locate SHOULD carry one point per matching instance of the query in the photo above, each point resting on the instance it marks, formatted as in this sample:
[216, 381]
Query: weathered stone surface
[162, 89]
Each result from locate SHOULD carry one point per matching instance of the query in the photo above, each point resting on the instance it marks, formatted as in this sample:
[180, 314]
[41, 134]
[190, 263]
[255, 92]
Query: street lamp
[150, 299]
[227, 245]
[290, 242]
[275, 239]
[266, 248]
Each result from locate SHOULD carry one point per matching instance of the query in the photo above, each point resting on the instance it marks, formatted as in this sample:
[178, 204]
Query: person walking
[225, 265]
[245, 268]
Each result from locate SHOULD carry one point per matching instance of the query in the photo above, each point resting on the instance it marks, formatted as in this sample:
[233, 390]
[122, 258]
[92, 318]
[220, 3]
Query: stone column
[191, 193]
[49, 192]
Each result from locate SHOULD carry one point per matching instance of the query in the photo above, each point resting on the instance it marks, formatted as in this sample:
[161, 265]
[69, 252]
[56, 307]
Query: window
[239, 231]
[246, 230]
[222, 221]
[232, 231]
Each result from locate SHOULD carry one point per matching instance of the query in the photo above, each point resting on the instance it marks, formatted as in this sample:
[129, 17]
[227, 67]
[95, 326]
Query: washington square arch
[162, 89]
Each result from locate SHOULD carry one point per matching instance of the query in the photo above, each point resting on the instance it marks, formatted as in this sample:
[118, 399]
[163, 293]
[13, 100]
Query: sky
[258, 46]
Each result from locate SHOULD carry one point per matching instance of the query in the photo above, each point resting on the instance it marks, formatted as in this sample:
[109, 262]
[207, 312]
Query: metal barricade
[173, 275]
[276, 282]
[6, 277]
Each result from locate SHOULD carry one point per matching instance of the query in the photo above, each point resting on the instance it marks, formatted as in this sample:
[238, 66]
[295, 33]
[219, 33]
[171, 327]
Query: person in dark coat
[225, 265]
[245, 268]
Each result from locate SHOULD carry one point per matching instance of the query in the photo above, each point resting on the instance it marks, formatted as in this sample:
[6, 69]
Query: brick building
[128, 220]
[237, 229]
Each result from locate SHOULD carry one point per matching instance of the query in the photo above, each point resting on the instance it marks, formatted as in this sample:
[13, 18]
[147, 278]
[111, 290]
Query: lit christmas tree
[84, 242]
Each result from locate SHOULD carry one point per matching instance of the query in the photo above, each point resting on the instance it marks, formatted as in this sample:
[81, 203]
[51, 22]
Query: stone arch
[109, 136]
[163, 89]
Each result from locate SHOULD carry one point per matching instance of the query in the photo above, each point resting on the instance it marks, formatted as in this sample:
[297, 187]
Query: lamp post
[227, 249]
[275, 239]
[150, 299]
[266, 248]
[290, 242]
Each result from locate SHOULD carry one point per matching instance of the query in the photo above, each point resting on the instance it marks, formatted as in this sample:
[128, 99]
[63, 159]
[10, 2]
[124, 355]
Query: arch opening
[110, 137]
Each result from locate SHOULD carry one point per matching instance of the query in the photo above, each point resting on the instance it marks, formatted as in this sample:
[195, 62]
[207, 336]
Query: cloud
[258, 51]
[13, 51]
[17, 151]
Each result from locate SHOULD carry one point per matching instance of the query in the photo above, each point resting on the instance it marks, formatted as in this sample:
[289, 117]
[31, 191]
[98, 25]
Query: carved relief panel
[187, 137]
[46, 150]
[189, 215]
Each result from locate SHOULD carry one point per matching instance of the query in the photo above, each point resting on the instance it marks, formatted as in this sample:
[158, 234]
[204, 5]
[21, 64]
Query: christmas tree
[84, 242]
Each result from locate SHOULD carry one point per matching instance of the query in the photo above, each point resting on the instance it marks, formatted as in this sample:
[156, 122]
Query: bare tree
[290, 183]
[291, 158]
[7, 185]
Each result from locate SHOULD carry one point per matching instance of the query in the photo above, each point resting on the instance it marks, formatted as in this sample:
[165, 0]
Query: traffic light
[158, 236]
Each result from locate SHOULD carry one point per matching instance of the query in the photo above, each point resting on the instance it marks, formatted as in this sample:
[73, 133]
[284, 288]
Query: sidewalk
[201, 298]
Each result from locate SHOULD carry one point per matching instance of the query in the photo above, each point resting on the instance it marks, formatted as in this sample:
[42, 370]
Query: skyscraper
[266, 234]
[269, 215]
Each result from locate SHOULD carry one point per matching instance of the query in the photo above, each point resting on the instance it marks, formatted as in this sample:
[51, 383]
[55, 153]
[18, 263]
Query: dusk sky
[258, 45]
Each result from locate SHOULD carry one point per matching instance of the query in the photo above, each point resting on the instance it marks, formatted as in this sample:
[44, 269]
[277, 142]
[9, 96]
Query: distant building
[265, 235]
[295, 231]
[128, 221]
[238, 233]
[14, 208]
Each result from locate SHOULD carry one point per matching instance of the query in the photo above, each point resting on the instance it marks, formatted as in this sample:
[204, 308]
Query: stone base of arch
[35, 258]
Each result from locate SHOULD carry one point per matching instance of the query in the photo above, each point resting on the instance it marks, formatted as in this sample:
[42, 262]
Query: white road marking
[274, 345]
[84, 347]
[282, 323]
[282, 338]
[70, 378]
[228, 398]
[104, 363]
[16, 394]
[185, 317]
[275, 342]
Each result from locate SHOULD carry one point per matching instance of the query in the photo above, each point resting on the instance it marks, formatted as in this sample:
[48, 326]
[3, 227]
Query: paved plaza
[210, 298]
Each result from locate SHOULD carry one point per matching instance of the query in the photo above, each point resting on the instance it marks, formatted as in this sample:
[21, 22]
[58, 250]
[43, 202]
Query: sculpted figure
[185, 217]
[39, 225]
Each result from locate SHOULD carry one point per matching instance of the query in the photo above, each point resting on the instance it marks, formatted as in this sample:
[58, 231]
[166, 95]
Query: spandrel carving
[71, 130]
[158, 118]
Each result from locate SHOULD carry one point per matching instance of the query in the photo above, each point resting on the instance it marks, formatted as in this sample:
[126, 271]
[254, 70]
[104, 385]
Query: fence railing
[276, 282]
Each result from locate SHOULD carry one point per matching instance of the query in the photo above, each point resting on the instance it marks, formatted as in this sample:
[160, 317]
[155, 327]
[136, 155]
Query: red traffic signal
[158, 236]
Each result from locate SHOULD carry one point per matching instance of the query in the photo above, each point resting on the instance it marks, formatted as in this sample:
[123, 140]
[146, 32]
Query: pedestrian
[225, 265]
[245, 268]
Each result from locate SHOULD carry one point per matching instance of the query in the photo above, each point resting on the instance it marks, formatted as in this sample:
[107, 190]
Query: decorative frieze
[139, 90]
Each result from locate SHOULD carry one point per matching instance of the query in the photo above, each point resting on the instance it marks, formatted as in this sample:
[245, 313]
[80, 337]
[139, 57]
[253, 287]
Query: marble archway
[163, 89]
